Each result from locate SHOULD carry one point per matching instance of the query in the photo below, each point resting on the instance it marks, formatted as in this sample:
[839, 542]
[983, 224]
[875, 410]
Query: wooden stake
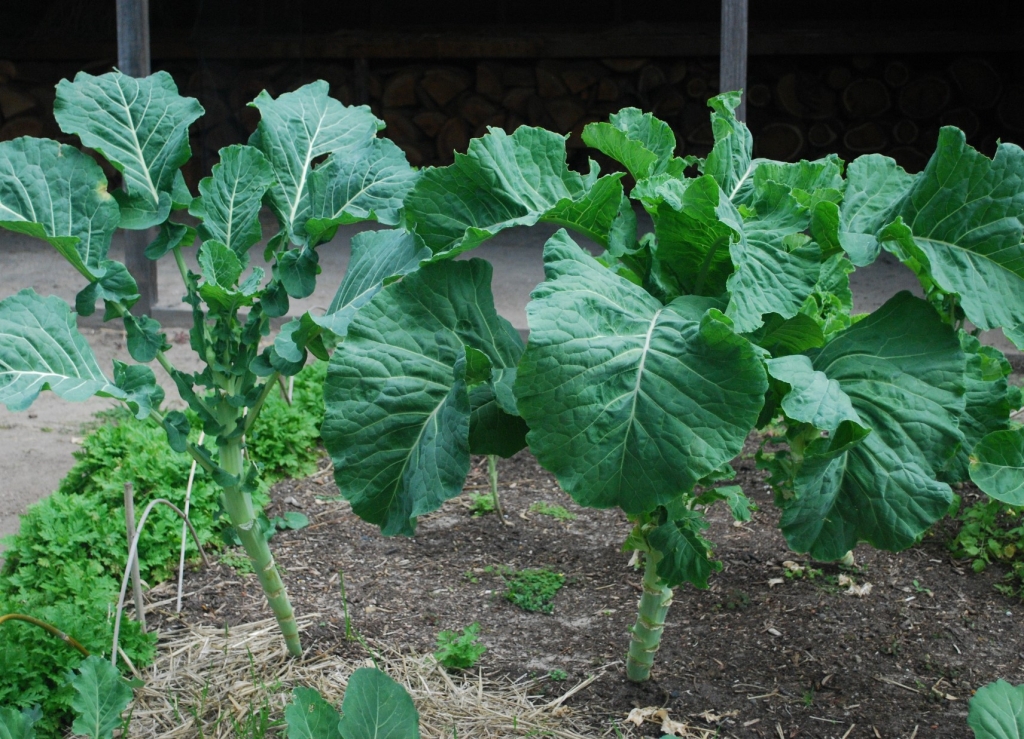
[733, 62]
[133, 60]
[129, 519]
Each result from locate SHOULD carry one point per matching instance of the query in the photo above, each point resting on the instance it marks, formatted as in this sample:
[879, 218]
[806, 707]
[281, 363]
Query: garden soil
[766, 652]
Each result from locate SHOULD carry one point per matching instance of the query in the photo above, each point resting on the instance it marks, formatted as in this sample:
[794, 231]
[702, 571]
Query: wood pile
[799, 107]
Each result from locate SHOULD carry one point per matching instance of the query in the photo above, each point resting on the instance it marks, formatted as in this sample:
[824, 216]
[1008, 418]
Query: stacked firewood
[798, 107]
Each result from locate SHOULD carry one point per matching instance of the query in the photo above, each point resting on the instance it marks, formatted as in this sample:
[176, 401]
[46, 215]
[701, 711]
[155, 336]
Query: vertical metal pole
[733, 62]
[129, 520]
[133, 59]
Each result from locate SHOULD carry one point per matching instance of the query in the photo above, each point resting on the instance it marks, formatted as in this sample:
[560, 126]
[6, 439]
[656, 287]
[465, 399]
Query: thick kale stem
[650, 622]
[239, 506]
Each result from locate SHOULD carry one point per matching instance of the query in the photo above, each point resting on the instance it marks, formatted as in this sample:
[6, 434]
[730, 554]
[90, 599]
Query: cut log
[8, 71]
[513, 76]
[24, 126]
[963, 118]
[217, 137]
[697, 88]
[979, 84]
[905, 132]
[838, 77]
[779, 141]
[651, 78]
[374, 87]
[549, 83]
[866, 138]
[575, 140]
[443, 85]
[911, 159]
[14, 102]
[862, 62]
[400, 90]
[866, 98]
[896, 74]
[518, 100]
[495, 121]
[759, 95]
[924, 97]
[821, 135]
[537, 113]
[488, 81]
[513, 122]
[624, 66]
[413, 154]
[677, 73]
[399, 128]
[565, 112]
[430, 122]
[477, 109]
[1011, 109]
[452, 138]
[803, 96]
[702, 135]
[607, 90]
[581, 76]
[669, 102]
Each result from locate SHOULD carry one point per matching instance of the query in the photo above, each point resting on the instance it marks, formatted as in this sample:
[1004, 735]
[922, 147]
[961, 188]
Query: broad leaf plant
[650, 362]
[315, 162]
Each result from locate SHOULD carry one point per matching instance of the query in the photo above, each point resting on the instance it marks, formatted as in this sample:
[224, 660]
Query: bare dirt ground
[761, 654]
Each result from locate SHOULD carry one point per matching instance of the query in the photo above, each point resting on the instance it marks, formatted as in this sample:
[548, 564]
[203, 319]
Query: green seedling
[533, 589]
[551, 509]
[460, 650]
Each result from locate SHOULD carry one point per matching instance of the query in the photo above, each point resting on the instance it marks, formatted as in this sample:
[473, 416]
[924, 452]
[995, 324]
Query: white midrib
[639, 377]
[305, 170]
[138, 147]
[743, 178]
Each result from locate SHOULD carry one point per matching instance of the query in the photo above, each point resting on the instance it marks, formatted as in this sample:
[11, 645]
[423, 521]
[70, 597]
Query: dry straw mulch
[210, 682]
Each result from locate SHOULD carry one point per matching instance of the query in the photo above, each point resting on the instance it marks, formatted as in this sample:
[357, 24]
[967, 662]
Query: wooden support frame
[733, 62]
[133, 59]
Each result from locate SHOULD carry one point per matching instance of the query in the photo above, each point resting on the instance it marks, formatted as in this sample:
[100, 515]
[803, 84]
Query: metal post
[733, 61]
[133, 59]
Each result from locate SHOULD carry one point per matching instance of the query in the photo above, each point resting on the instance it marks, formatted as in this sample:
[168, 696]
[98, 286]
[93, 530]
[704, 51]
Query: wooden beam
[133, 59]
[634, 40]
[733, 54]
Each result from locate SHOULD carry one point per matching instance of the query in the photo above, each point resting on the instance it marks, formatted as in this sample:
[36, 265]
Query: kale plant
[649, 364]
[55, 192]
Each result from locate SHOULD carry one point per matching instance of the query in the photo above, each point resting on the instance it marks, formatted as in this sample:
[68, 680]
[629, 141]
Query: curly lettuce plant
[55, 192]
[649, 364]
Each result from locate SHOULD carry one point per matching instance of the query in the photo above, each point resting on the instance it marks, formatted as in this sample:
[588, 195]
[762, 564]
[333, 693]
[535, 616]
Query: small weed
[991, 531]
[550, 509]
[808, 698]
[471, 576]
[237, 560]
[480, 504]
[558, 675]
[534, 589]
[919, 588]
[460, 650]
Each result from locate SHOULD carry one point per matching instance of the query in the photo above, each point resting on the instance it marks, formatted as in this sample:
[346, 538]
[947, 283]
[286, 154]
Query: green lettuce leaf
[960, 227]
[501, 182]
[230, 199]
[56, 193]
[997, 711]
[295, 129]
[643, 144]
[630, 402]
[352, 186]
[997, 466]
[376, 707]
[397, 417]
[140, 126]
[376, 257]
[902, 370]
